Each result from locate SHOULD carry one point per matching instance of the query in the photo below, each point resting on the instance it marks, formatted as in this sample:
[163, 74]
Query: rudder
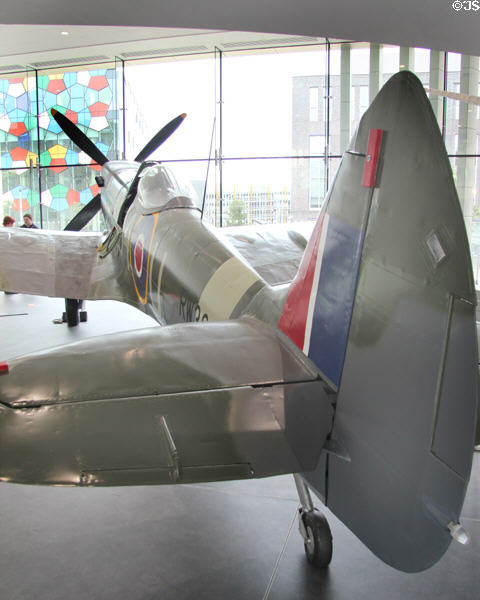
[393, 331]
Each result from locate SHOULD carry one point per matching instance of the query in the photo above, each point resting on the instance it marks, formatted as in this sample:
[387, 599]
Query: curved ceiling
[30, 31]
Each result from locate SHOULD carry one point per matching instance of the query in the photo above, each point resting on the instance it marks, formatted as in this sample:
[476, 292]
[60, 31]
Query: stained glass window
[42, 171]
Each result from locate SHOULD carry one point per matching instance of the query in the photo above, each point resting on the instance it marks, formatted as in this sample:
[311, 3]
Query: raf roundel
[140, 244]
[138, 255]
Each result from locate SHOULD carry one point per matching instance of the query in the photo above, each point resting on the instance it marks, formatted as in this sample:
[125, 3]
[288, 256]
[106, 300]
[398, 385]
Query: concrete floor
[220, 540]
[223, 540]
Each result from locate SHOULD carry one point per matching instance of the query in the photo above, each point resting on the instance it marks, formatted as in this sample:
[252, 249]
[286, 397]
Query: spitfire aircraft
[359, 376]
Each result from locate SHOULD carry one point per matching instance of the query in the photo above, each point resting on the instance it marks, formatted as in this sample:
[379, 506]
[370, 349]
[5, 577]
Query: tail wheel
[318, 542]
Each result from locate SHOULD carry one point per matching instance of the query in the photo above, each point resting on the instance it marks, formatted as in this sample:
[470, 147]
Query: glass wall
[42, 171]
[264, 132]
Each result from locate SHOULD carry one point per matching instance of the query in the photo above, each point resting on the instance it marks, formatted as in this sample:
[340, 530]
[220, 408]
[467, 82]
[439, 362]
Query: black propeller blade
[160, 137]
[85, 215]
[81, 140]
[77, 136]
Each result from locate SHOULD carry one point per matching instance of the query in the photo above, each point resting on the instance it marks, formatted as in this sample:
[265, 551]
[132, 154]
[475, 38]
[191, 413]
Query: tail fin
[319, 304]
[384, 304]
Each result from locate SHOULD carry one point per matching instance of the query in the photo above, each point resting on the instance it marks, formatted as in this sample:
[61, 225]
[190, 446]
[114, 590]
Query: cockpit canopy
[160, 189]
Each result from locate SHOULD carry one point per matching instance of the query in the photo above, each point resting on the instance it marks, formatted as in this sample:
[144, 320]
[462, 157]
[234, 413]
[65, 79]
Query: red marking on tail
[371, 161]
[294, 316]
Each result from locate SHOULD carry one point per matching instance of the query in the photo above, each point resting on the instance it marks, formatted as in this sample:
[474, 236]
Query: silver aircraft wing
[61, 264]
[183, 403]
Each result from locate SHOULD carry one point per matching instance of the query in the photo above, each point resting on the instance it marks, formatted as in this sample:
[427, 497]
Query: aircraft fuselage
[178, 270]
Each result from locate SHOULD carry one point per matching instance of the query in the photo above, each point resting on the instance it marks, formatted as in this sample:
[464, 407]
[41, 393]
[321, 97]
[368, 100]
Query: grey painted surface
[405, 416]
[414, 307]
[162, 405]
[219, 540]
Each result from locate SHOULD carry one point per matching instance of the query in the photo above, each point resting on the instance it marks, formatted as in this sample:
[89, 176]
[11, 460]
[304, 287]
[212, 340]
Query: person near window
[8, 221]
[28, 222]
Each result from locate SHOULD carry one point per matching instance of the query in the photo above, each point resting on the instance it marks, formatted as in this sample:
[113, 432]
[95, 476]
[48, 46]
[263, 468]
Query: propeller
[81, 140]
[78, 137]
[85, 215]
[159, 138]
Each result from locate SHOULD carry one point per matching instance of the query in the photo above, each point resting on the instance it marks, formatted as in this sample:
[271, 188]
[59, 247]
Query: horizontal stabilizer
[185, 403]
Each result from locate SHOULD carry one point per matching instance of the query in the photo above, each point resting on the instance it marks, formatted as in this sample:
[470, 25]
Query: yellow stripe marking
[225, 288]
[159, 284]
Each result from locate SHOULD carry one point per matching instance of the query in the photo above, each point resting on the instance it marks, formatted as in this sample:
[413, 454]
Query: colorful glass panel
[30, 137]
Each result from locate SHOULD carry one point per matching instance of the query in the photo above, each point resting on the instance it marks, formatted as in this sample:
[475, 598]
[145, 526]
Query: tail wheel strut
[314, 528]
